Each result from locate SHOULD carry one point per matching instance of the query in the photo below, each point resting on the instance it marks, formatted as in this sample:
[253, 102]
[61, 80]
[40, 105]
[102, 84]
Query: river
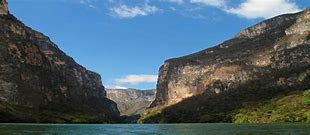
[155, 129]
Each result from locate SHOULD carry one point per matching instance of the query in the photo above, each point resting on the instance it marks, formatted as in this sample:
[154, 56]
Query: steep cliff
[258, 64]
[131, 101]
[40, 83]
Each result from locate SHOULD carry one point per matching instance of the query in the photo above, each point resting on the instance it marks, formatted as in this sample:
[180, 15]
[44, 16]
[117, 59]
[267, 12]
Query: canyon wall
[40, 83]
[131, 101]
[261, 62]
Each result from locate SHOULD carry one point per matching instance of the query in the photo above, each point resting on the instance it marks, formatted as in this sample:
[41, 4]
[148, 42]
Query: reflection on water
[160, 129]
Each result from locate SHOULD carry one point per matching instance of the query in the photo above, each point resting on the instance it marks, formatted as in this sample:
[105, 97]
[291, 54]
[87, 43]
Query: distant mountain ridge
[131, 101]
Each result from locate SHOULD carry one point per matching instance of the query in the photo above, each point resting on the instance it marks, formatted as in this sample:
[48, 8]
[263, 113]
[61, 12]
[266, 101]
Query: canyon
[131, 101]
[262, 75]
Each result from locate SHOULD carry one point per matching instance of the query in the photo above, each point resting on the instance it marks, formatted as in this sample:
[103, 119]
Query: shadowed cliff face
[271, 57]
[40, 83]
[130, 101]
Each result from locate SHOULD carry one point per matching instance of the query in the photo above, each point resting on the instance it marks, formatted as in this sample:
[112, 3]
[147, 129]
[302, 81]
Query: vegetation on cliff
[294, 107]
[20, 114]
[291, 107]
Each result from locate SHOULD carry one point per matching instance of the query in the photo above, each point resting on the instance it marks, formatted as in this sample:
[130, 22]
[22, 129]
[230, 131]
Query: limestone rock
[130, 101]
[40, 83]
[267, 59]
[3, 7]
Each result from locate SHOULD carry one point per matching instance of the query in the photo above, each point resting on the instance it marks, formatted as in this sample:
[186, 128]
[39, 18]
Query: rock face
[40, 83]
[268, 59]
[131, 101]
[3, 7]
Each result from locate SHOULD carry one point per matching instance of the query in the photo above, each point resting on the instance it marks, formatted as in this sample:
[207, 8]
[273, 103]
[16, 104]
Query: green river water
[156, 129]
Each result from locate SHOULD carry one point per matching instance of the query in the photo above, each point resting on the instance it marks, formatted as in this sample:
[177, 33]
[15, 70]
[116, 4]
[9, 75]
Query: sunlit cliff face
[3, 7]
[266, 50]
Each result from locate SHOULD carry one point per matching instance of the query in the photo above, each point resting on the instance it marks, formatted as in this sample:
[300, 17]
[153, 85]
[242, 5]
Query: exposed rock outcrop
[40, 83]
[259, 63]
[131, 101]
[4, 7]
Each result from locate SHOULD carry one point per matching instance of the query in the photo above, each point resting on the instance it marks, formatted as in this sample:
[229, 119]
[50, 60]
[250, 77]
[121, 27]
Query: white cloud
[216, 3]
[251, 9]
[175, 1]
[116, 87]
[137, 79]
[124, 11]
[89, 3]
[264, 8]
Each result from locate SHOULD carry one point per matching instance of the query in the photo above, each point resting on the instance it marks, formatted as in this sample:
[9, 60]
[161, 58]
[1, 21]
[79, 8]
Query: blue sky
[126, 41]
